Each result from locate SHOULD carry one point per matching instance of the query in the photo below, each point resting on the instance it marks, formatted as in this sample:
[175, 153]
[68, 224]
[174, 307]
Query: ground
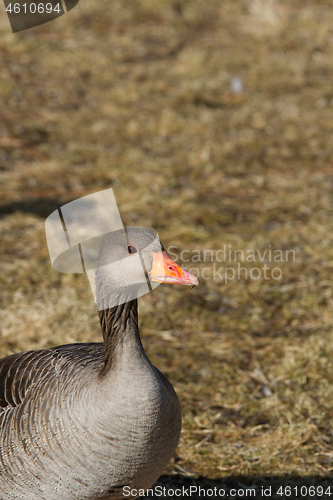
[212, 122]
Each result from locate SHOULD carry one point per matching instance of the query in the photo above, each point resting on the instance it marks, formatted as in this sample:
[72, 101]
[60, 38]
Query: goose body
[82, 421]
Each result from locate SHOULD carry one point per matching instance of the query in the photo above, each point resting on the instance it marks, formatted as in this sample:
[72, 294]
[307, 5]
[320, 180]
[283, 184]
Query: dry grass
[139, 96]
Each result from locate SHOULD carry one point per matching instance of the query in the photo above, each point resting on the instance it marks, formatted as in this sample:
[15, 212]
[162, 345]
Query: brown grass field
[212, 121]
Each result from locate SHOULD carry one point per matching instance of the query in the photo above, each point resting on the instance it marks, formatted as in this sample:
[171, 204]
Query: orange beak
[166, 270]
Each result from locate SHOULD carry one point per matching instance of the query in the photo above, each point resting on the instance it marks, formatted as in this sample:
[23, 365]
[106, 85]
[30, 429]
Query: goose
[82, 421]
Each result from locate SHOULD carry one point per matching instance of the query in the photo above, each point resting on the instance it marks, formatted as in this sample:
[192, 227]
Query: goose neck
[119, 326]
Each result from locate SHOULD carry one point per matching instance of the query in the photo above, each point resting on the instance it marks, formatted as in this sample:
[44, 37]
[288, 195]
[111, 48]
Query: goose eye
[131, 249]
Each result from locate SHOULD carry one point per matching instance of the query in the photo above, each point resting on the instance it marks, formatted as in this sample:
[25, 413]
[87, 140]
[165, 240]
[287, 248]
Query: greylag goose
[81, 421]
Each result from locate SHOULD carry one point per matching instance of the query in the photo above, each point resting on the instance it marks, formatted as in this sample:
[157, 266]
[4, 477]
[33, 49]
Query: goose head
[132, 262]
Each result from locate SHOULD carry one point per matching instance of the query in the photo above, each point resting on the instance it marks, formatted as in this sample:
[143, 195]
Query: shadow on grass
[238, 487]
[42, 207]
